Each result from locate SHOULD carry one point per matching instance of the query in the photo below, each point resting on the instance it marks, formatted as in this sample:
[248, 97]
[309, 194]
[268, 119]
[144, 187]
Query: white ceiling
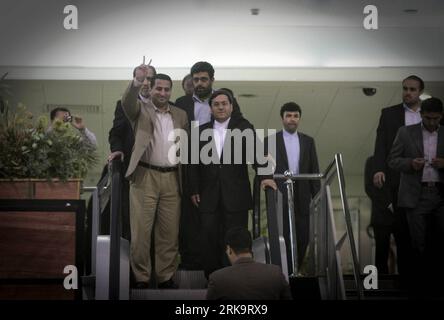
[176, 33]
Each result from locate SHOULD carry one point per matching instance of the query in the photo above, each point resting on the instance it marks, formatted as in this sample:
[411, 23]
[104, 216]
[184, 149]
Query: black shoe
[141, 285]
[168, 285]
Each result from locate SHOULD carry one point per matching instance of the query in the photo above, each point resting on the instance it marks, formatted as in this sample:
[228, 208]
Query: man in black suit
[382, 217]
[219, 183]
[295, 151]
[246, 279]
[197, 108]
[418, 154]
[392, 118]
[121, 142]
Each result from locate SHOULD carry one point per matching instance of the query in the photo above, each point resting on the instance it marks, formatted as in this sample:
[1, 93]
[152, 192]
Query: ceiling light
[254, 11]
[411, 11]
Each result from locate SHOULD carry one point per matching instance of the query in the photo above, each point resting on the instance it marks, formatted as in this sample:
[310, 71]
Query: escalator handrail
[325, 177]
[115, 168]
[272, 225]
[256, 216]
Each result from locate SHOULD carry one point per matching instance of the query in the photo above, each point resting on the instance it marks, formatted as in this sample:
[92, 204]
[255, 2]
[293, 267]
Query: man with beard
[295, 151]
[197, 108]
[392, 118]
[196, 105]
[418, 154]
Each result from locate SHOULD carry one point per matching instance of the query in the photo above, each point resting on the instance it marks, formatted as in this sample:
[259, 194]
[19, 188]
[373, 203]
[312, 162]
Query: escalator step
[168, 294]
[187, 279]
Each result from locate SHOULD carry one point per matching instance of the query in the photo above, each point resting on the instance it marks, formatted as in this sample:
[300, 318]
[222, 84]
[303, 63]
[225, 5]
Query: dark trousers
[426, 224]
[382, 235]
[399, 229]
[214, 227]
[302, 224]
[190, 238]
[386, 223]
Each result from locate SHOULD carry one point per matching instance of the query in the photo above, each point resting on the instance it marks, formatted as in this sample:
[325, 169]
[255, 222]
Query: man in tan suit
[155, 179]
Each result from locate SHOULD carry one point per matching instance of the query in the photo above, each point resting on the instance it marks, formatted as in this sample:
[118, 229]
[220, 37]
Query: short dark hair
[150, 67]
[432, 105]
[161, 76]
[239, 240]
[202, 66]
[228, 90]
[54, 111]
[291, 107]
[416, 78]
[188, 76]
[218, 93]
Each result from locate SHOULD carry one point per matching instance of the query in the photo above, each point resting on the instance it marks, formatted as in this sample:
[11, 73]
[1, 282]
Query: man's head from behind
[238, 243]
[431, 113]
[202, 74]
[290, 115]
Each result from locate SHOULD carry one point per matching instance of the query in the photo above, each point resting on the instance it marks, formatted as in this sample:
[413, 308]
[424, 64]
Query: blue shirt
[293, 149]
[202, 110]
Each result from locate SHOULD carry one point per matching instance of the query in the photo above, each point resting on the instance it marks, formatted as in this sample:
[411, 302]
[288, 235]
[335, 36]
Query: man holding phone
[418, 154]
[76, 121]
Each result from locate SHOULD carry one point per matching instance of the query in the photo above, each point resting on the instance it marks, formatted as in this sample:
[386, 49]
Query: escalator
[323, 278]
[321, 275]
[110, 268]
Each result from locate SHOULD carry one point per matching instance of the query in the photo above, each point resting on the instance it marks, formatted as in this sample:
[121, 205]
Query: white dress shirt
[293, 149]
[411, 117]
[220, 131]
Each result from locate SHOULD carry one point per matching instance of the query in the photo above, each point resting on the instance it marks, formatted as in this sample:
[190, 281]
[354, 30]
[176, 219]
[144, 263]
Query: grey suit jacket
[248, 280]
[141, 117]
[407, 146]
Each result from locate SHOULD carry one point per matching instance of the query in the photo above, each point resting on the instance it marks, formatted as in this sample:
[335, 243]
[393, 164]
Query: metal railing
[100, 197]
[274, 226]
[324, 246]
[108, 253]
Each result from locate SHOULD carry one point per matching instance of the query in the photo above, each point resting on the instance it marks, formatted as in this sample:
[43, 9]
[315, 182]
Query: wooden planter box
[40, 189]
[36, 246]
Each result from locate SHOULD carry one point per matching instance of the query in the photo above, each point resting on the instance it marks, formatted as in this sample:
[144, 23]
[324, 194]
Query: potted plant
[38, 159]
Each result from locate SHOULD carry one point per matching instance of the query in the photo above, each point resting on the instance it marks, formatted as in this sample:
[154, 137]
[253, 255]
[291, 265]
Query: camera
[67, 118]
[369, 91]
